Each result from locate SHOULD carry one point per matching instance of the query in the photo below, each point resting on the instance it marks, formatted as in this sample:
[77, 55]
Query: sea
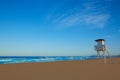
[31, 59]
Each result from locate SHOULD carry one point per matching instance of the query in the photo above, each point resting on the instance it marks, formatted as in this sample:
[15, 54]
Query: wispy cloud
[108, 36]
[67, 21]
[98, 21]
[92, 14]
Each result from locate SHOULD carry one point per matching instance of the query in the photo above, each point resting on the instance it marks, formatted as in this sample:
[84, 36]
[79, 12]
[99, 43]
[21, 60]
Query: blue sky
[58, 27]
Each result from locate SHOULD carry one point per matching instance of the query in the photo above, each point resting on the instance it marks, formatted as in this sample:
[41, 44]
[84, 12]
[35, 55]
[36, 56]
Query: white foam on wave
[3, 60]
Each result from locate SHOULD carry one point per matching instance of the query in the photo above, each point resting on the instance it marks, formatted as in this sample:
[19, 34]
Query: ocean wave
[5, 60]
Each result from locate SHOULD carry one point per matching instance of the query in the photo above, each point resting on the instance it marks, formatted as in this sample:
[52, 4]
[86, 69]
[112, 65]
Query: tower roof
[99, 40]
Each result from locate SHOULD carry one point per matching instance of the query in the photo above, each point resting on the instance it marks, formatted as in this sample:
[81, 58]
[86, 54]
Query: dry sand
[65, 70]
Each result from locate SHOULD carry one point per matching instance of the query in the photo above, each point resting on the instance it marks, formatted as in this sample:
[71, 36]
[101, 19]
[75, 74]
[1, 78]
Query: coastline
[62, 70]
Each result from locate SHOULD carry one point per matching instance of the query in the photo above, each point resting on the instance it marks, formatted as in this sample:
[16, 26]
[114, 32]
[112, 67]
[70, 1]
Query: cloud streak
[92, 14]
[98, 21]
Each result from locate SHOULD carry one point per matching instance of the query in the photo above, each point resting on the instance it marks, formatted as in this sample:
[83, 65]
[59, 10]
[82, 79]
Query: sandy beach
[64, 70]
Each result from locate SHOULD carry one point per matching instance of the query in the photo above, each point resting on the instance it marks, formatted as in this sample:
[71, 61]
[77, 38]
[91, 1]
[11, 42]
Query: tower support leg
[98, 55]
[110, 57]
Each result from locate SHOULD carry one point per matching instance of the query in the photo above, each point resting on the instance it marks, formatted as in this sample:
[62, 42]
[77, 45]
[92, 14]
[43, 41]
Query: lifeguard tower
[101, 47]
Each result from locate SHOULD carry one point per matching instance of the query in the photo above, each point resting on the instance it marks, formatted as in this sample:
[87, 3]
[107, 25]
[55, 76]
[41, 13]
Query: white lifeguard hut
[101, 47]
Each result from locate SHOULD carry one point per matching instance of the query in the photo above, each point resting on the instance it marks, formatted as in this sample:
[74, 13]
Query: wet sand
[64, 70]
